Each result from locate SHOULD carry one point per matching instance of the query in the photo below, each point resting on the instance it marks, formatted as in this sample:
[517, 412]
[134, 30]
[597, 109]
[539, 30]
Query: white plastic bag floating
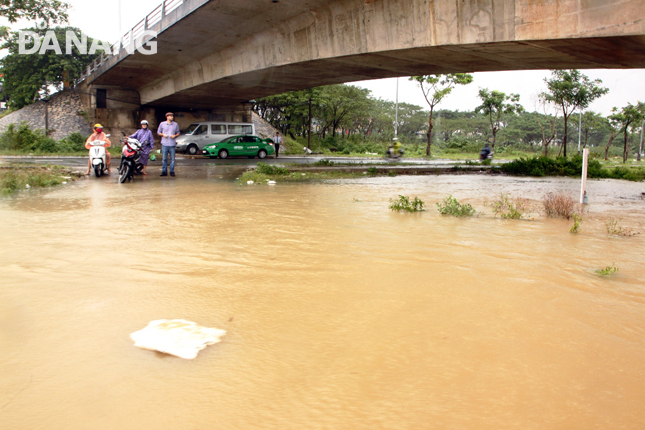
[178, 337]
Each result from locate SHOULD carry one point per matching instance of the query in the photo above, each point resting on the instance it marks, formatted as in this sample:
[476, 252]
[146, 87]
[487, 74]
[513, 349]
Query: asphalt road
[186, 161]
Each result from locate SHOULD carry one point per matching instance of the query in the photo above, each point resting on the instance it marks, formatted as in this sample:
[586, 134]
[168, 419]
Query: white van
[200, 134]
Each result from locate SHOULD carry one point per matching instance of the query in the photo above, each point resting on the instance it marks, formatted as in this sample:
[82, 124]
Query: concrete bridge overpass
[217, 54]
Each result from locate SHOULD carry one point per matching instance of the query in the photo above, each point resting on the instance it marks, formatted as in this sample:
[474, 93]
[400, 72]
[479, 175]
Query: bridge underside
[585, 53]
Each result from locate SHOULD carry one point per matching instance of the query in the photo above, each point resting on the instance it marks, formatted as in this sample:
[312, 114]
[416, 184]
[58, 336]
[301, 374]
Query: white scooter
[98, 158]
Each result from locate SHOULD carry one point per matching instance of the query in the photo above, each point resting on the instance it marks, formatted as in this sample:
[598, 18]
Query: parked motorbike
[130, 156]
[98, 157]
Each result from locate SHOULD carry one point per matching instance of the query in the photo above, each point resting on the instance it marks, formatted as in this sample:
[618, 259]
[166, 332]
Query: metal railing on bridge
[131, 36]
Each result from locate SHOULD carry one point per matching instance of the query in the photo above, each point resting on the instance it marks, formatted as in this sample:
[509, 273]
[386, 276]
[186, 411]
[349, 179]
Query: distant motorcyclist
[394, 150]
[485, 152]
[98, 135]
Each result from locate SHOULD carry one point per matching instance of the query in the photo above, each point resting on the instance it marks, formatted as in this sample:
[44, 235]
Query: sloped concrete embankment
[62, 115]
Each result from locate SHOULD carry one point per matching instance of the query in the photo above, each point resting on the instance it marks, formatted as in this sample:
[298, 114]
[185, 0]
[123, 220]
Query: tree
[338, 104]
[614, 125]
[435, 88]
[572, 90]
[591, 121]
[34, 10]
[631, 116]
[496, 104]
[551, 117]
[28, 77]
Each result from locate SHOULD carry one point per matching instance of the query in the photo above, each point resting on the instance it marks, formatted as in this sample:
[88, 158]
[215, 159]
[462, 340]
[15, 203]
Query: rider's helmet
[98, 128]
[144, 122]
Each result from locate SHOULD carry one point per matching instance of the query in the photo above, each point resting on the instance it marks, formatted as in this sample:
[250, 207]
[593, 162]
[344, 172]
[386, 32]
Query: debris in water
[177, 337]
[249, 182]
[271, 182]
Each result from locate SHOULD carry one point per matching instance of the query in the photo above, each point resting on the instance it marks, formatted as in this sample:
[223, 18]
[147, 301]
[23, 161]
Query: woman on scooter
[144, 135]
[98, 135]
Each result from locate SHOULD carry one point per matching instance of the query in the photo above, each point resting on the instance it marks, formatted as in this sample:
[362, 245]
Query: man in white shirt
[277, 140]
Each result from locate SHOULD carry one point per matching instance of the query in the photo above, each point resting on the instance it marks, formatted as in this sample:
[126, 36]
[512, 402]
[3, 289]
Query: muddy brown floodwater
[340, 313]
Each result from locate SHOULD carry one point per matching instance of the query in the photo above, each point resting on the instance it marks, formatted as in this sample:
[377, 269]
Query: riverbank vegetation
[561, 166]
[266, 172]
[403, 203]
[22, 140]
[451, 206]
[347, 120]
[20, 177]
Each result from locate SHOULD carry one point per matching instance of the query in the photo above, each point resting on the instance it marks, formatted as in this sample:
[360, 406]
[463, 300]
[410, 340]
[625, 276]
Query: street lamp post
[396, 112]
[640, 149]
[579, 131]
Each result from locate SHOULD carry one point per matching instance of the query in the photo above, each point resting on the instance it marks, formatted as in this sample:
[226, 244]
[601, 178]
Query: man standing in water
[168, 130]
[276, 143]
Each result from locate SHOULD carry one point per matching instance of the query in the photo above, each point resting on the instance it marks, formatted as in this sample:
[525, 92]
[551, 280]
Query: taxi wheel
[223, 154]
[262, 154]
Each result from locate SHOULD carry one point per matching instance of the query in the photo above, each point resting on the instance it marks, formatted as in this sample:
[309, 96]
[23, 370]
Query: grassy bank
[21, 177]
[266, 172]
[560, 166]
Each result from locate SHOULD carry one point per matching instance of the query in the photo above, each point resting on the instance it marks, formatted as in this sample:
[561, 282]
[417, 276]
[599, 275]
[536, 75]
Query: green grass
[258, 177]
[16, 177]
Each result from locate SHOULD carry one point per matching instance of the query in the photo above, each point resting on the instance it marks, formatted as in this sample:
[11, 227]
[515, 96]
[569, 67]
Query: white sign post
[583, 187]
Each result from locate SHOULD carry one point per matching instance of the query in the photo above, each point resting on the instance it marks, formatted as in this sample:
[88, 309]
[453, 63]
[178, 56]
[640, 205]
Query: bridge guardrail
[150, 19]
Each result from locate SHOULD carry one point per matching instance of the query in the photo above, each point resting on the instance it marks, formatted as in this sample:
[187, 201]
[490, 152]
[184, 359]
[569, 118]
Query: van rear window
[240, 129]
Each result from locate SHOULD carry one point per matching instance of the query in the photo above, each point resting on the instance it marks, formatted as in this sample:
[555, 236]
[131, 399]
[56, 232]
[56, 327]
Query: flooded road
[340, 314]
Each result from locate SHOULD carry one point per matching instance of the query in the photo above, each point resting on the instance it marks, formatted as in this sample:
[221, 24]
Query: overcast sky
[101, 20]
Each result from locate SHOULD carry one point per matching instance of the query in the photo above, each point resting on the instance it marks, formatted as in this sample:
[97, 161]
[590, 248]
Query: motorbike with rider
[395, 150]
[98, 139]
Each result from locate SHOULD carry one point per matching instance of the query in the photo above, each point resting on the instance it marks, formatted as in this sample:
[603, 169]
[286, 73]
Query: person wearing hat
[168, 130]
[98, 135]
[144, 135]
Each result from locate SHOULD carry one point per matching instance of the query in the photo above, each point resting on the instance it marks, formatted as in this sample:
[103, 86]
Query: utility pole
[396, 112]
[309, 132]
[640, 149]
[579, 130]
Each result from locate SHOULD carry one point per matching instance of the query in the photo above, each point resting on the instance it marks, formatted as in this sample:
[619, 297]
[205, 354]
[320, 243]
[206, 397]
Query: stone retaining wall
[64, 112]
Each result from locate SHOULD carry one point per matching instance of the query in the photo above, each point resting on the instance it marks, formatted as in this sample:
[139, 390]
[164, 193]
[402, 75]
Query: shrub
[614, 228]
[511, 208]
[560, 166]
[75, 142]
[22, 138]
[404, 204]
[577, 219]
[450, 206]
[608, 270]
[558, 205]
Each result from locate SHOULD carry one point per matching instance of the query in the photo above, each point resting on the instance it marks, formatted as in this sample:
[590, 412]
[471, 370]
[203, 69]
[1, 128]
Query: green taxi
[242, 145]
